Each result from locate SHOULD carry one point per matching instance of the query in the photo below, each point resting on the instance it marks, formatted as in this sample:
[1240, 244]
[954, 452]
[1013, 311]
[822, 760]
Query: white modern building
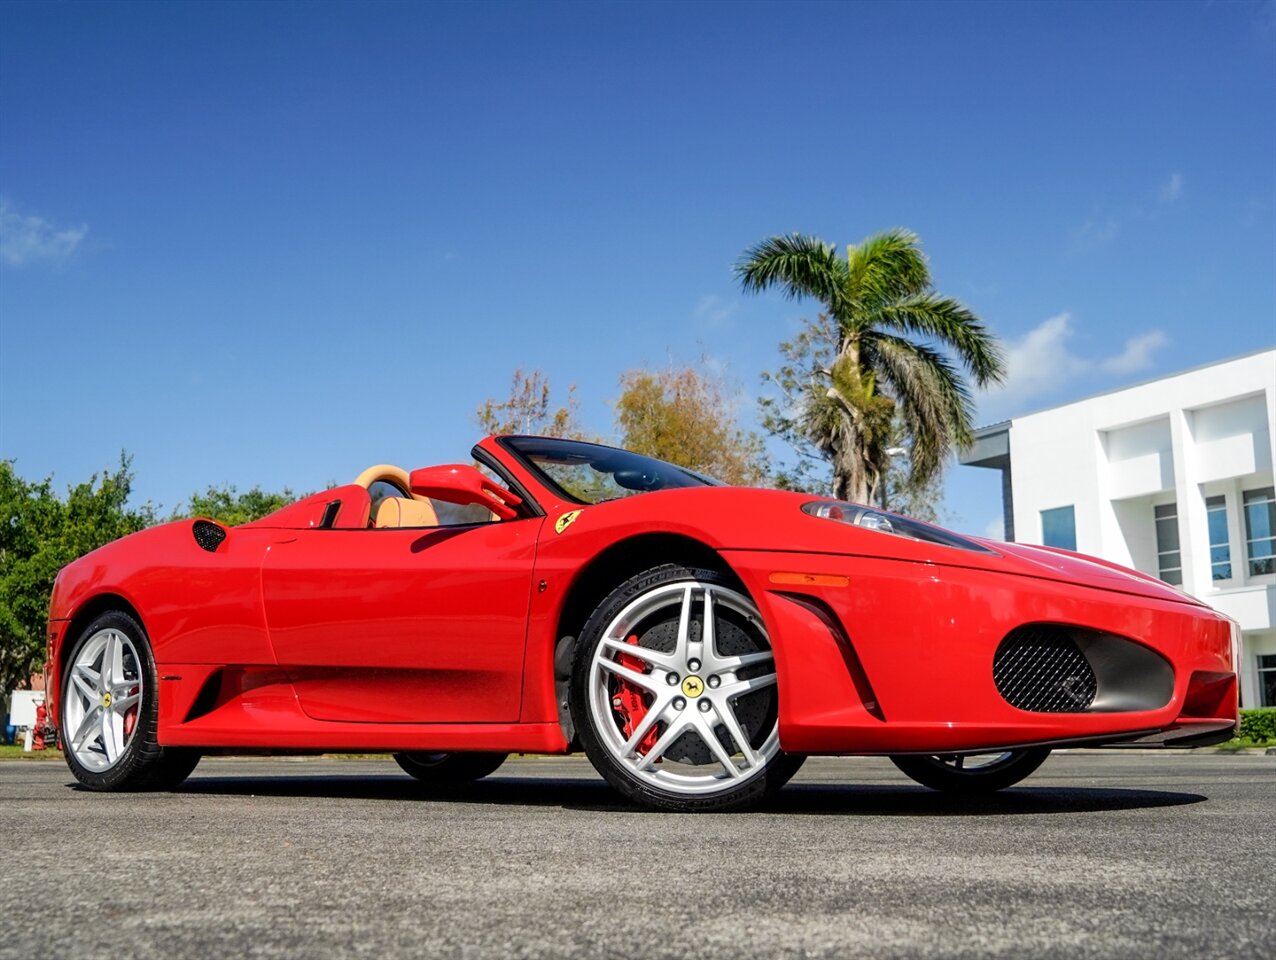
[1173, 477]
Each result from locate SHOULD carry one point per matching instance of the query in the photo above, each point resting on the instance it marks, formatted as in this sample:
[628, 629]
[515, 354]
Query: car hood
[736, 518]
[1066, 566]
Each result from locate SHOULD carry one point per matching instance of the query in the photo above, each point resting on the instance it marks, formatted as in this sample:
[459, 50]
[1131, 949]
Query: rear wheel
[974, 772]
[449, 769]
[110, 709]
[674, 693]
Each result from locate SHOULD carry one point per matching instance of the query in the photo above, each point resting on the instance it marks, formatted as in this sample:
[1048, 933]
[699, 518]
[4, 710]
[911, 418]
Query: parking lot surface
[1097, 855]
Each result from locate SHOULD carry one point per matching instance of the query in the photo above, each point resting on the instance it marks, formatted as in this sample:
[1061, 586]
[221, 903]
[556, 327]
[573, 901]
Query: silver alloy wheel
[693, 689]
[104, 687]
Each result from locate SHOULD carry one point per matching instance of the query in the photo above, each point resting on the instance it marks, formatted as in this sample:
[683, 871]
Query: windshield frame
[514, 445]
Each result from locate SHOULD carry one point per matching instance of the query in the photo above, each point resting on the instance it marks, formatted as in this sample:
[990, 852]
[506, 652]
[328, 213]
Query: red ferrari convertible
[695, 640]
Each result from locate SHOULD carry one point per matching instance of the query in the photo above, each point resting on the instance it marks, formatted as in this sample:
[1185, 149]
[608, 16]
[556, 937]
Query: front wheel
[972, 773]
[674, 693]
[449, 769]
[110, 711]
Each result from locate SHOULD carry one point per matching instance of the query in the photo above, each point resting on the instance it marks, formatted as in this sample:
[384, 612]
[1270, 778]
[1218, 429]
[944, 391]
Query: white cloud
[995, 529]
[1040, 363]
[1137, 355]
[714, 312]
[26, 238]
[1096, 232]
[1104, 226]
[1172, 188]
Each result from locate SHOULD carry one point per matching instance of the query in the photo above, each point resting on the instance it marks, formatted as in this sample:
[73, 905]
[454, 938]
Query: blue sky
[271, 244]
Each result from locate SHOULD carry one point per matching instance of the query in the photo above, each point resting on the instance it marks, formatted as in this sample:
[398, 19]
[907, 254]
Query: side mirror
[457, 483]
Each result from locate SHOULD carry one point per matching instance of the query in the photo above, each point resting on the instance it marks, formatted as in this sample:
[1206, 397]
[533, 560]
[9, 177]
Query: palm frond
[933, 398]
[800, 266]
[890, 353]
[887, 267]
[946, 319]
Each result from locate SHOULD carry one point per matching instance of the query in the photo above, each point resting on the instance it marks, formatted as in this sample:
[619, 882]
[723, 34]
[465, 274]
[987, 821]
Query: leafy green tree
[680, 415]
[898, 490]
[228, 506]
[880, 347]
[39, 534]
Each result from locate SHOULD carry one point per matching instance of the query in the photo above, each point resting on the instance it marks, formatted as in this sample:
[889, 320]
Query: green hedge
[1258, 725]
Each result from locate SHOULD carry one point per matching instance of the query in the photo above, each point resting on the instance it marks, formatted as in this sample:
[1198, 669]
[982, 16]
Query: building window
[1260, 530]
[1220, 548]
[1169, 561]
[1059, 528]
[1267, 679]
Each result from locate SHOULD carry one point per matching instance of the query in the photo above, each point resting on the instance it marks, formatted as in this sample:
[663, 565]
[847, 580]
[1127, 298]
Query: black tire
[948, 772]
[746, 792]
[171, 769]
[449, 769]
[142, 764]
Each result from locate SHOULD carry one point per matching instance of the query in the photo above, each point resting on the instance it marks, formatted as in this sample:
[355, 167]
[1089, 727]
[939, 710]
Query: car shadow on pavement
[570, 793]
[796, 798]
[907, 800]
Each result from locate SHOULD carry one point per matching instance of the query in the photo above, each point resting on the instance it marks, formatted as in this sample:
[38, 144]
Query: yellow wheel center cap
[106, 699]
[693, 686]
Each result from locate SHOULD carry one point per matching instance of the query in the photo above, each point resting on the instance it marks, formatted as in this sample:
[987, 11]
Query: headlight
[1236, 645]
[870, 519]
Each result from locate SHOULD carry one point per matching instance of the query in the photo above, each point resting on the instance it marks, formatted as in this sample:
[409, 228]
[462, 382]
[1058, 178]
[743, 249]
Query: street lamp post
[891, 453]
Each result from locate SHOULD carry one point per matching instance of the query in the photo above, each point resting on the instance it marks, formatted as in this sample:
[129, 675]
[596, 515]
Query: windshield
[592, 473]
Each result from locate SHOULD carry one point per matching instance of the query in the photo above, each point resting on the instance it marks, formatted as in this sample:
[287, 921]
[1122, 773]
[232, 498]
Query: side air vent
[1039, 667]
[207, 698]
[208, 534]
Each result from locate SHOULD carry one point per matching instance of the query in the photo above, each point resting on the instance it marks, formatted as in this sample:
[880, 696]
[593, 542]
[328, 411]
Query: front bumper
[880, 656]
[53, 651]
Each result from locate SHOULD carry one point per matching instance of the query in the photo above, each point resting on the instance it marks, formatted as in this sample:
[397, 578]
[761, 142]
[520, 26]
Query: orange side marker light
[810, 579]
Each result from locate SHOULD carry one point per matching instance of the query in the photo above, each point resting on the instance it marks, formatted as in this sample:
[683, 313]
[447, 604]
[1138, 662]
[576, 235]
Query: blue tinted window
[1169, 561]
[1220, 548]
[1059, 528]
[1260, 530]
[1267, 679]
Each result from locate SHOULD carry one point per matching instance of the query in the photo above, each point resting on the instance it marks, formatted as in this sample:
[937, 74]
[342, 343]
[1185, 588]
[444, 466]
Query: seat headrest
[401, 512]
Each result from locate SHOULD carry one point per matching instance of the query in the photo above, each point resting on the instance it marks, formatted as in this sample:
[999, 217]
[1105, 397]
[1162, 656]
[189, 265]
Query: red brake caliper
[130, 718]
[629, 703]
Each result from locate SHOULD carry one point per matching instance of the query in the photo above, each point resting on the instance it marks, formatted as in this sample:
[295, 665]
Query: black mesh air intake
[1039, 667]
[208, 535]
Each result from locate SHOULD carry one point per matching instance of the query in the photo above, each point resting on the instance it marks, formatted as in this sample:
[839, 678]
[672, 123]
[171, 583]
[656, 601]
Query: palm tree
[877, 355]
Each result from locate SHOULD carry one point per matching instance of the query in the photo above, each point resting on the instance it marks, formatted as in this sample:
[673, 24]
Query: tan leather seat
[401, 512]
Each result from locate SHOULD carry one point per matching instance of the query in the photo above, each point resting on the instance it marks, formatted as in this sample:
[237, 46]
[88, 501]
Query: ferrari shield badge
[565, 521]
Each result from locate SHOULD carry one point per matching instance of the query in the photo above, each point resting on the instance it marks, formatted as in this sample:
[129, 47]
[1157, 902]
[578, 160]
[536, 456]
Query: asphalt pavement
[1096, 855]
